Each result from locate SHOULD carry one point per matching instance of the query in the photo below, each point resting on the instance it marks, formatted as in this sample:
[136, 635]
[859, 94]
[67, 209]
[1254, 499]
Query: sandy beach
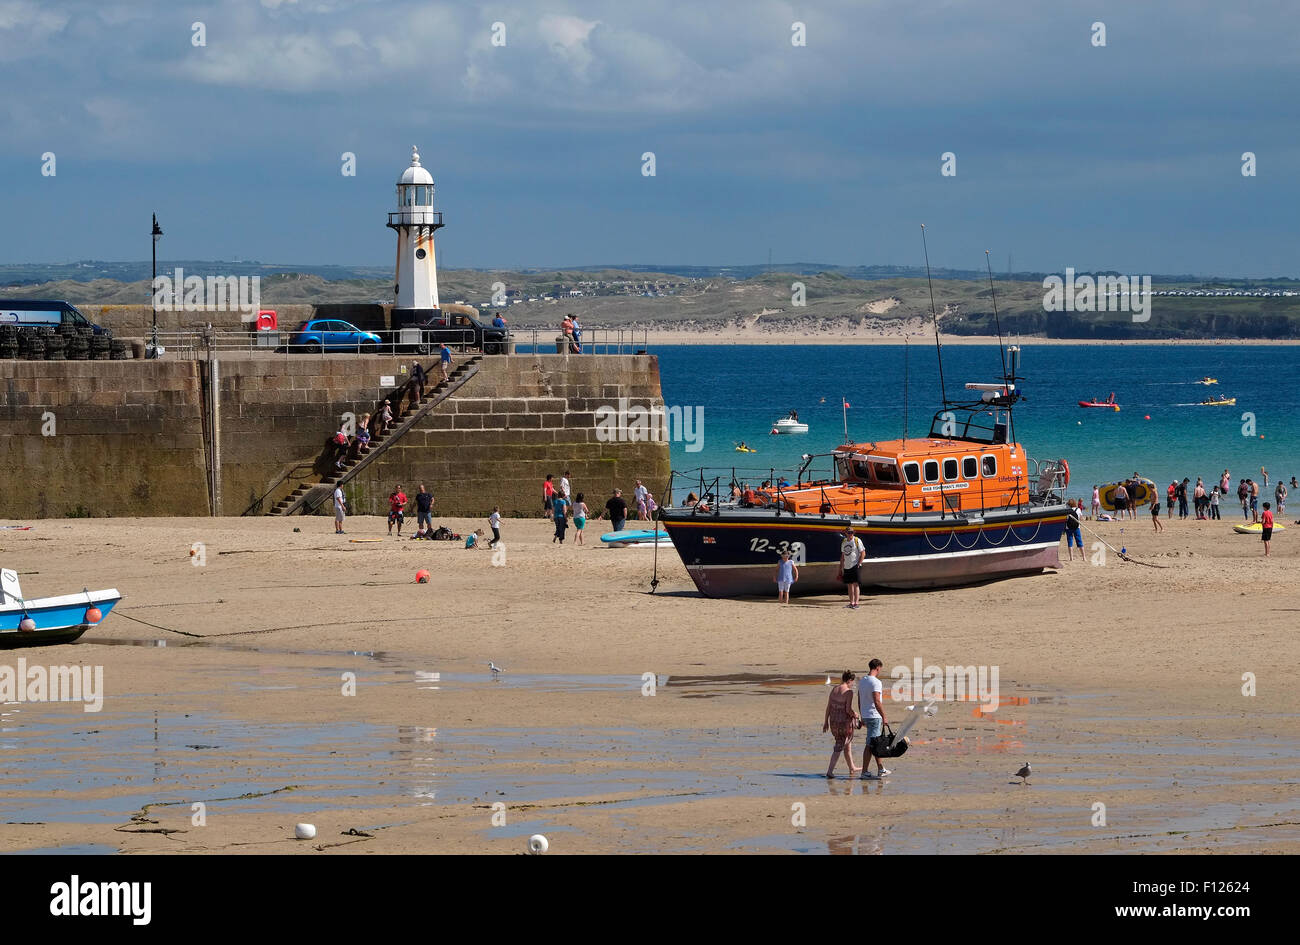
[1121, 682]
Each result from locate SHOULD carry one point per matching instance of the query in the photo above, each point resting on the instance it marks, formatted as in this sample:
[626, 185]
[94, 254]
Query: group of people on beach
[1205, 503]
[560, 503]
[843, 720]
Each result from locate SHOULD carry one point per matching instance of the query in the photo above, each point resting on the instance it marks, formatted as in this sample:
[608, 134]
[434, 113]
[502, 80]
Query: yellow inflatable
[1143, 494]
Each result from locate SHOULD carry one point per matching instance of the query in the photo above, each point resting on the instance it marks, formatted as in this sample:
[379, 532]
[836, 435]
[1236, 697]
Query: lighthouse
[416, 291]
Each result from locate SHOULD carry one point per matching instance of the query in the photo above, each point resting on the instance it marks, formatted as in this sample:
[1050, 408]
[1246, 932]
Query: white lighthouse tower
[416, 291]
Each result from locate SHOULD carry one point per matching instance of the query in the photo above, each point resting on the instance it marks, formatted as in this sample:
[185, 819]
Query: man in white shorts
[340, 508]
[871, 709]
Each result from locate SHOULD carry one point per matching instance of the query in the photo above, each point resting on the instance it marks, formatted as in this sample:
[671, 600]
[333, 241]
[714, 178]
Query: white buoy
[27, 624]
[537, 844]
[304, 831]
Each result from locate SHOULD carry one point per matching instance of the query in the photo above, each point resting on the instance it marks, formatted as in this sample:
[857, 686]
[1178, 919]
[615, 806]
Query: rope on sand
[1122, 556]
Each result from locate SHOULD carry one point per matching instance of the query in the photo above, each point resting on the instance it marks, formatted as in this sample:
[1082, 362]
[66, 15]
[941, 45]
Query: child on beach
[1096, 503]
[579, 518]
[786, 574]
[1214, 504]
[494, 523]
[471, 540]
[1073, 532]
[1155, 516]
[1266, 528]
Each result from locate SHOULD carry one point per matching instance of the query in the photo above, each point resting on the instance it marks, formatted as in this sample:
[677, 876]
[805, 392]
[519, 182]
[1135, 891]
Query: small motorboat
[1218, 402]
[1208, 381]
[790, 424]
[45, 621]
[1107, 404]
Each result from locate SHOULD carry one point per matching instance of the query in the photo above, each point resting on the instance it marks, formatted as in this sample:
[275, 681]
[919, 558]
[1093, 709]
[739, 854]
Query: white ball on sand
[304, 831]
[537, 844]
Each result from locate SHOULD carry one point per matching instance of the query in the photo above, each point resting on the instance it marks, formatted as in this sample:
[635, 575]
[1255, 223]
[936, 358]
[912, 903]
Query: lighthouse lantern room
[416, 290]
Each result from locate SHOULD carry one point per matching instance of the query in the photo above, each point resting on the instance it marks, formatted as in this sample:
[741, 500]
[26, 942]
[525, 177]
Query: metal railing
[187, 345]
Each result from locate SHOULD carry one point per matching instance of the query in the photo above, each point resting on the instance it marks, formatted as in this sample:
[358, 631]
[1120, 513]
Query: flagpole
[844, 406]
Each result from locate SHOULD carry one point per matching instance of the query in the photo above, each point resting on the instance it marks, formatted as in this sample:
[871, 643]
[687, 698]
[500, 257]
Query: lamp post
[153, 295]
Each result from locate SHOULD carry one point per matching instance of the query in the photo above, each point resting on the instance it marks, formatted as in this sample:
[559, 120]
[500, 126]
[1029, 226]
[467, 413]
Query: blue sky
[1126, 156]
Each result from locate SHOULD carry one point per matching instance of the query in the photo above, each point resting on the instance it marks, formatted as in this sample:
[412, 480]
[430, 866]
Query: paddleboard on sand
[1141, 495]
[357, 541]
[1254, 529]
[635, 537]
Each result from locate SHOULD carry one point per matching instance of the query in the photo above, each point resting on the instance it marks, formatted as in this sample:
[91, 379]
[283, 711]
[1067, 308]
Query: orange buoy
[1147, 417]
[422, 576]
[93, 615]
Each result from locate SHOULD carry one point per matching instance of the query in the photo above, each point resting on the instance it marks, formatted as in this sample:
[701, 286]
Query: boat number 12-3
[780, 547]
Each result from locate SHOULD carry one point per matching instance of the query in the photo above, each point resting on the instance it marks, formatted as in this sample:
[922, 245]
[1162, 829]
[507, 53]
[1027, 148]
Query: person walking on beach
[1199, 499]
[340, 510]
[1073, 529]
[560, 510]
[494, 523]
[1155, 516]
[1254, 500]
[1095, 511]
[396, 510]
[1214, 504]
[872, 708]
[548, 496]
[1182, 497]
[1170, 496]
[638, 498]
[1280, 494]
[1266, 529]
[852, 551]
[617, 509]
[579, 518]
[786, 574]
[841, 721]
[1243, 495]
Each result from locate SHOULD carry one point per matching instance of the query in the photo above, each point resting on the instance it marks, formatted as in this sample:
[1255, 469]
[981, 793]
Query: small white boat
[48, 620]
[790, 424]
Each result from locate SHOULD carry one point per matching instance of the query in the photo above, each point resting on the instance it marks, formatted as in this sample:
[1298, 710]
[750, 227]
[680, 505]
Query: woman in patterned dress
[841, 721]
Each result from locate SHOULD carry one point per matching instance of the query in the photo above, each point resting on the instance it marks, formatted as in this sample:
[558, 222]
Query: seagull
[1024, 773]
[495, 668]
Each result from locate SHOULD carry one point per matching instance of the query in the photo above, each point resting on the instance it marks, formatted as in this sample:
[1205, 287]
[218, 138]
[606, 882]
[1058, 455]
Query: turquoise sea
[743, 389]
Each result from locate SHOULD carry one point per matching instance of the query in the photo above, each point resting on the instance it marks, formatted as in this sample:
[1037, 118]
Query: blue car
[331, 334]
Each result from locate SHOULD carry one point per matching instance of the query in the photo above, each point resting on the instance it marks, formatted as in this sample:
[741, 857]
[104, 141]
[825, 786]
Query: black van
[43, 313]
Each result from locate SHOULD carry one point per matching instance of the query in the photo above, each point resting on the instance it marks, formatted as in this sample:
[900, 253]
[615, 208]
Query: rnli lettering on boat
[946, 487]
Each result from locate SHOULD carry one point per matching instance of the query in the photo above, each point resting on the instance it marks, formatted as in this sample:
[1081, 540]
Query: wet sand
[1120, 682]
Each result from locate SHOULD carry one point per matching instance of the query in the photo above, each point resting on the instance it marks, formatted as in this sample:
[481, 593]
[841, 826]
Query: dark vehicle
[455, 329]
[44, 313]
[332, 334]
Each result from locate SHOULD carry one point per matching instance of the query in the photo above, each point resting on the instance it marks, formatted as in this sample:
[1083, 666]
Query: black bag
[442, 533]
[886, 746]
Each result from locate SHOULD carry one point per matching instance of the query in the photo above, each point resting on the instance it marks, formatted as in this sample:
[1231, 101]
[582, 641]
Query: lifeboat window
[912, 472]
[884, 472]
[861, 470]
[970, 467]
[990, 465]
[931, 470]
[949, 470]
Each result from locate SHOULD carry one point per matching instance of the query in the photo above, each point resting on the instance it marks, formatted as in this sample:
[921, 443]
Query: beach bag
[442, 533]
[885, 745]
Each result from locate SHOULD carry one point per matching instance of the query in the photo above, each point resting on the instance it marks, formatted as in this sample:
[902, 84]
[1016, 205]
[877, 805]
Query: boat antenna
[906, 349]
[1002, 350]
[938, 349]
